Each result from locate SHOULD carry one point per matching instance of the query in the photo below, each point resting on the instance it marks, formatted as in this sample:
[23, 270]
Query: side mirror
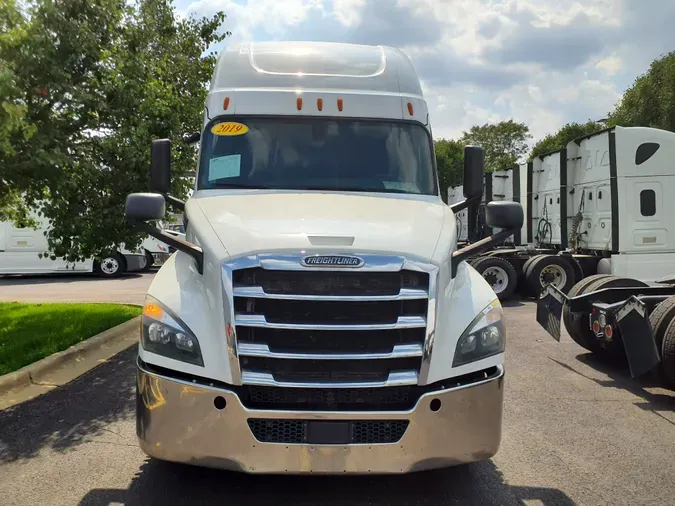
[505, 215]
[160, 166]
[474, 168]
[145, 207]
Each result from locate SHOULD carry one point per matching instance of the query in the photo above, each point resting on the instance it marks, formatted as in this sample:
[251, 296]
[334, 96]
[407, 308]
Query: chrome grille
[329, 327]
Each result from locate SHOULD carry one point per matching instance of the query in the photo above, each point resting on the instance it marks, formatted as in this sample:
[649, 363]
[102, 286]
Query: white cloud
[349, 12]
[611, 65]
[544, 62]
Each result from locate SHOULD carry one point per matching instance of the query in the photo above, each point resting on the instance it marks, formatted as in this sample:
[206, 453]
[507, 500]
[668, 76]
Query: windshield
[317, 154]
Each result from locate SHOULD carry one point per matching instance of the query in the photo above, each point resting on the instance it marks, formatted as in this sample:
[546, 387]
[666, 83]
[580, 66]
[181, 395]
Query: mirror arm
[460, 206]
[478, 246]
[178, 243]
[173, 201]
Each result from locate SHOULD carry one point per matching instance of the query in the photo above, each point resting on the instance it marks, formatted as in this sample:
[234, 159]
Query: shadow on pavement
[514, 303]
[43, 279]
[68, 415]
[164, 483]
[618, 376]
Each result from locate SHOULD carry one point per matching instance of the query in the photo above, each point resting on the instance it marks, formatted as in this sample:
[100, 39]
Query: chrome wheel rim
[110, 265]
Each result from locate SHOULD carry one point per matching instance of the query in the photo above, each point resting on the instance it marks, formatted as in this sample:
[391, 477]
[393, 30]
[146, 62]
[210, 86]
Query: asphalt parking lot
[128, 288]
[576, 431]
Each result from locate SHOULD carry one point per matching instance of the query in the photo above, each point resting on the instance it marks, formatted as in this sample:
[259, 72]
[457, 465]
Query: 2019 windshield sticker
[229, 128]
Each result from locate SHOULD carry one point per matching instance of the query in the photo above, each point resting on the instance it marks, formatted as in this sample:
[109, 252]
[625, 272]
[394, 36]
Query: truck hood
[251, 222]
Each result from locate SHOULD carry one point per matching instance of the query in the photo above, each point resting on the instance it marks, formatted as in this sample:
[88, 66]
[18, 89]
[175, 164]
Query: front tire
[112, 265]
[500, 274]
[149, 260]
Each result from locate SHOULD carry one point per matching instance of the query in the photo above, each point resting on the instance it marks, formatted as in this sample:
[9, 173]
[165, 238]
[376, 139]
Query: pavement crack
[112, 443]
[40, 383]
[111, 431]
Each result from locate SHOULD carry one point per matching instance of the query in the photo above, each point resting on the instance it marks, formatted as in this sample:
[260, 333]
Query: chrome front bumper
[177, 421]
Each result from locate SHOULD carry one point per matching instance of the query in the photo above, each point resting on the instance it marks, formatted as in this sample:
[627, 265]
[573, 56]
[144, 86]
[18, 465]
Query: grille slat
[327, 341]
[258, 292]
[316, 328]
[257, 320]
[329, 282]
[353, 432]
[247, 349]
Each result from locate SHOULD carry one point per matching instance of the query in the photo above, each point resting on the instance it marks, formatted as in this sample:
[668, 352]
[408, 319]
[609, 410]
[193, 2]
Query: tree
[505, 143]
[96, 81]
[650, 102]
[560, 139]
[450, 164]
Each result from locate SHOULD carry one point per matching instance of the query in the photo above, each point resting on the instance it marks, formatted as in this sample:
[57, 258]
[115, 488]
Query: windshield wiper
[243, 185]
[355, 189]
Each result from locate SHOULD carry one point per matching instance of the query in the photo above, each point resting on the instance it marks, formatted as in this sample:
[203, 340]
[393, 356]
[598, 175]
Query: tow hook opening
[220, 403]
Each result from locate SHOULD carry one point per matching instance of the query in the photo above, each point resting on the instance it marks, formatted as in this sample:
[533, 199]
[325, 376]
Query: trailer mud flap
[638, 339]
[549, 310]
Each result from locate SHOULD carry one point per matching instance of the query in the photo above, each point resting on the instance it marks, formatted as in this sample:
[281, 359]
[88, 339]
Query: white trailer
[499, 186]
[318, 317]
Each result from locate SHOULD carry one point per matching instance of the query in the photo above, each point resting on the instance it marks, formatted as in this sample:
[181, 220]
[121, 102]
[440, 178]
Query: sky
[541, 62]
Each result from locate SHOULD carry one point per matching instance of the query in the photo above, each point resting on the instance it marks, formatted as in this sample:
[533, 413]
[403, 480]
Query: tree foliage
[505, 143]
[650, 102]
[450, 164]
[88, 84]
[560, 139]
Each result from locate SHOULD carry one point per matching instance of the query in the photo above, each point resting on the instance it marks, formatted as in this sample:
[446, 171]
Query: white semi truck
[24, 250]
[595, 207]
[318, 317]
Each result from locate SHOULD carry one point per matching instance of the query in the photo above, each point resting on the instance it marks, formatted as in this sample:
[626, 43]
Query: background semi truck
[319, 317]
[21, 246]
[596, 207]
[616, 317]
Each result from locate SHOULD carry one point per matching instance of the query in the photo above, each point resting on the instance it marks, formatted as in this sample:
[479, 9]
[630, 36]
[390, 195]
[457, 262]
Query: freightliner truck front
[318, 317]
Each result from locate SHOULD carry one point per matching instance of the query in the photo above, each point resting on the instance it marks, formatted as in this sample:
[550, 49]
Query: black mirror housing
[160, 166]
[145, 207]
[505, 215]
[474, 169]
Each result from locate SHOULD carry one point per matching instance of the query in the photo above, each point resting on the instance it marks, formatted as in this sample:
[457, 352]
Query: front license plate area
[328, 433]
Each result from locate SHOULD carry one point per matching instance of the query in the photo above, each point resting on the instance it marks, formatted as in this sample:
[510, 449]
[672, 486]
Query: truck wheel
[550, 269]
[573, 323]
[500, 274]
[527, 264]
[613, 348]
[112, 265]
[659, 320]
[668, 353]
[149, 260]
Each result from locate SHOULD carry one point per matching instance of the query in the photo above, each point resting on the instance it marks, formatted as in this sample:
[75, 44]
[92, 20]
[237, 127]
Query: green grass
[29, 332]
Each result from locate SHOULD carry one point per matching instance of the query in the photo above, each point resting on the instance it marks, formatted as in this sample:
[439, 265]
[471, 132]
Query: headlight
[484, 337]
[165, 334]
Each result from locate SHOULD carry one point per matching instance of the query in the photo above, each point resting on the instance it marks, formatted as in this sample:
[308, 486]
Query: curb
[32, 373]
